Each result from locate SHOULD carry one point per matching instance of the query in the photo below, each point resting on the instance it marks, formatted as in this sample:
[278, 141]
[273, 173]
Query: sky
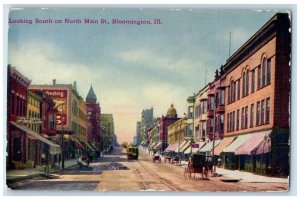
[131, 67]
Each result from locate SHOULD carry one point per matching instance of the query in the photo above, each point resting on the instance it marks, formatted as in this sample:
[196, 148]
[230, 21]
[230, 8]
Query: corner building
[258, 100]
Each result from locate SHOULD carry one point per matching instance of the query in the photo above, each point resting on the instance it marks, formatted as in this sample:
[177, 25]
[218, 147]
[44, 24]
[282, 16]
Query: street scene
[144, 175]
[181, 100]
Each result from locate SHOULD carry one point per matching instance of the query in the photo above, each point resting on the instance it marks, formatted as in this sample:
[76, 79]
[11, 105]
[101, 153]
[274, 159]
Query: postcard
[148, 99]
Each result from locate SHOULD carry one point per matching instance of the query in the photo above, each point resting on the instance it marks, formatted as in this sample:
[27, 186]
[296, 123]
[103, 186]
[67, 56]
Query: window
[258, 113]
[247, 82]
[221, 123]
[191, 110]
[262, 111]
[210, 125]
[222, 97]
[264, 73]
[204, 129]
[211, 103]
[243, 118]
[252, 116]
[238, 90]
[233, 120]
[197, 131]
[234, 90]
[253, 81]
[269, 72]
[246, 117]
[258, 77]
[237, 119]
[268, 110]
[244, 84]
[217, 99]
[228, 89]
[204, 107]
[228, 122]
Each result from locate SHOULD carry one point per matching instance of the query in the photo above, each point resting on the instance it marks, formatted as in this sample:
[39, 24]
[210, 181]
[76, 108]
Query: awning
[195, 147]
[54, 148]
[158, 146]
[236, 143]
[186, 145]
[181, 145]
[251, 146]
[224, 143]
[89, 146]
[209, 145]
[142, 143]
[174, 147]
[152, 145]
[78, 144]
[170, 146]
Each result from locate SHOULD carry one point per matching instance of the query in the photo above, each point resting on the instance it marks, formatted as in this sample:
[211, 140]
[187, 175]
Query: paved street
[115, 173]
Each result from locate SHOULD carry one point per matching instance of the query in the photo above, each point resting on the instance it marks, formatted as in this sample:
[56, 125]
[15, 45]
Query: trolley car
[132, 152]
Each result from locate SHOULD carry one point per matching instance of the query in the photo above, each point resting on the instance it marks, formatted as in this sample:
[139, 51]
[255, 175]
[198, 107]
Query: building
[177, 133]
[16, 109]
[258, 99]
[66, 99]
[107, 123]
[164, 122]
[216, 106]
[146, 122]
[190, 116]
[200, 117]
[138, 133]
[153, 136]
[80, 137]
[93, 120]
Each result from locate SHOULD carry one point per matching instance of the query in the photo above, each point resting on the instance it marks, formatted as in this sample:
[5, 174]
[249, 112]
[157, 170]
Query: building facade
[107, 123]
[16, 109]
[146, 122]
[164, 122]
[258, 97]
[201, 116]
[93, 120]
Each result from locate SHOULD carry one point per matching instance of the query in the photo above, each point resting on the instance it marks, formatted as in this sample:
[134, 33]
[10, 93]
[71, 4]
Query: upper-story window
[244, 84]
[268, 110]
[238, 89]
[269, 71]
[228, 96]
[222, 96]
[232, 91]
[258, 77]
[228, 122]
[263, 83]
[247, 83]
[243, 118]
[211, 104]
[238, 119]
[246, 117]
[258, 113]
[217, 100]
[204, 108]
[262, 111]
[191, 110]
[253, 81]
[221, 123]
[252, 115]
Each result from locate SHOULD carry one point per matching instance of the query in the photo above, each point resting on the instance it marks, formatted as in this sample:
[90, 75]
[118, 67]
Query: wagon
[156, 158]
[197, 164]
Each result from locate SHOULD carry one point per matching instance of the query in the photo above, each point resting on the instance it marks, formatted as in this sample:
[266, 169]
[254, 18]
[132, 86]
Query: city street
[115, 173]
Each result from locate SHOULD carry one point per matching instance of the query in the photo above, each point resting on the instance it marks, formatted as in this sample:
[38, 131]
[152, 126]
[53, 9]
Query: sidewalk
[242, 176]
[18, 175]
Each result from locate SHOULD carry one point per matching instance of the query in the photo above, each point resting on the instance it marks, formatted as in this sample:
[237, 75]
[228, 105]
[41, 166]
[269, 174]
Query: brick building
[258, 100]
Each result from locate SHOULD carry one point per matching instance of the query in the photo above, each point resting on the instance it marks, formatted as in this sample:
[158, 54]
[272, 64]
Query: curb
[44, 174]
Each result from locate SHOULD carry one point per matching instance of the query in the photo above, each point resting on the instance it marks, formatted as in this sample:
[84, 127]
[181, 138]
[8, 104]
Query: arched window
[247, 82]
[264, 64]
[244, 85]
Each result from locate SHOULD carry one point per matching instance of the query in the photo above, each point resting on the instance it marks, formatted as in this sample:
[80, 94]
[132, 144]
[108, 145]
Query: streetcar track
[161, 180]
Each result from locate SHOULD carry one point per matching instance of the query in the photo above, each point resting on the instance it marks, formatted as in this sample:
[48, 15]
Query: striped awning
[78, 144]
[152, 145]
[172, 147]
[185, 146]
[251, 146]
[158, 146]
[224, 143]
[208, 146]
[181, 145]
[195, 147]
[236, 143]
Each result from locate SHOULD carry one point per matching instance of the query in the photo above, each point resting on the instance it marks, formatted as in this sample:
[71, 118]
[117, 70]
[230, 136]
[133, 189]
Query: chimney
[54, 81]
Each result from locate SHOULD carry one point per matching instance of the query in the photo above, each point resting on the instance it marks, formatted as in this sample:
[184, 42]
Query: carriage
[198, 164]
[132, 152]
